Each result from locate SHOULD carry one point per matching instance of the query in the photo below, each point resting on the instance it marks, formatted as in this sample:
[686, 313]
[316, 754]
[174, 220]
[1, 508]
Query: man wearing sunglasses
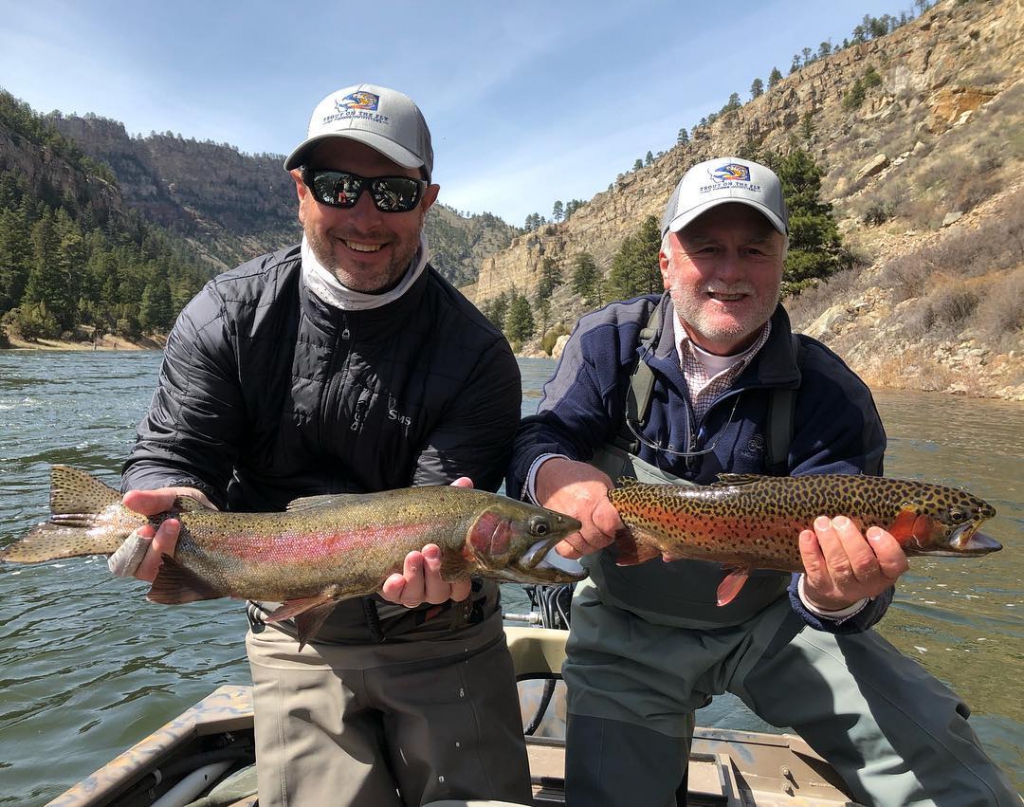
[707, 379]
[346, 364]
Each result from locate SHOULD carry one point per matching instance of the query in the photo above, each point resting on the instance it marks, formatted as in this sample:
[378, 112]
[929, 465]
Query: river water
[88, 667]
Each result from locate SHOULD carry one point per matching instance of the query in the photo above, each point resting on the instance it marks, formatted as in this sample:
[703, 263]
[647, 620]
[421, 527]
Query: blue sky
[529, 101]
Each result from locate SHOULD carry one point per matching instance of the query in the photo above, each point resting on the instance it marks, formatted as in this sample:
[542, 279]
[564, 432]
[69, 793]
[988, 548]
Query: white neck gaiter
[321, 281]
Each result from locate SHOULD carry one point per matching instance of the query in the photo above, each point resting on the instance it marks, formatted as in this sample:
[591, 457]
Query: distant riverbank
[108, 342]
[920, 378]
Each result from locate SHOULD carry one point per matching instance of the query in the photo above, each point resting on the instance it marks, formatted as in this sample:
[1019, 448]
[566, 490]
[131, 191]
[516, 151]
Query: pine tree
[774, 77]
[756, 89]
[15, 257]
[496, 310]
[519, 320]
[815, 245]
[550, 277]
[586, 279]
[155, 307]
[46, 282]
[648, 159]
[682, 138]
[557, 212]
[635, 267]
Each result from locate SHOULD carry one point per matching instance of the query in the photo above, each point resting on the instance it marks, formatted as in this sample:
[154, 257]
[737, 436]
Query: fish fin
[456, 565]
[290, 609]
[735, 480]
[324, 500]
[309, 623]
[309, 614]
[630, 552]
[86, 518]
[174, 584]
[188, 504]
[731, 585]
[73, 491]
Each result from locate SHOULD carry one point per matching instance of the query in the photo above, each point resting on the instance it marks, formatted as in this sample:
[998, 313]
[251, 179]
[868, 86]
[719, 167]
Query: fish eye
[957, 515]
[539, 526]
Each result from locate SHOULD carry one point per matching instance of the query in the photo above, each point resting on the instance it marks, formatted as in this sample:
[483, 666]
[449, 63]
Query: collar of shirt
[708, 376]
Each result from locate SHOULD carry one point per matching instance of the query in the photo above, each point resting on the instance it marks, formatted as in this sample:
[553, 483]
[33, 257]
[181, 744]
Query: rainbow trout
[321, 550]
[750, 522]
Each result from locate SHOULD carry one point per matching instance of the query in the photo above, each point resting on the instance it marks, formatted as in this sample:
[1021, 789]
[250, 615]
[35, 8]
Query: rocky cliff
[939, 132]
[234, 206]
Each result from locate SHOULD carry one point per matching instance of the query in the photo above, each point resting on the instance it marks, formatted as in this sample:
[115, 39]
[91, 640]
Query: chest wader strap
[779, 427]
[641, 387]
[781, 406]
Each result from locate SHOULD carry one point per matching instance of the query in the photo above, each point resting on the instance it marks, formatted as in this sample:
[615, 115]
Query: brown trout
[321, 550]
[750, 522]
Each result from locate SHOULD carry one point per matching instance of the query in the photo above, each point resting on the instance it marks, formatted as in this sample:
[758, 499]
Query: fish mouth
[527, 569]
[966, 540]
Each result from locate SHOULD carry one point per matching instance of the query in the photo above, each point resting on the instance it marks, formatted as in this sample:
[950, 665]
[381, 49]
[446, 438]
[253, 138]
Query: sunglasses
[343, 189]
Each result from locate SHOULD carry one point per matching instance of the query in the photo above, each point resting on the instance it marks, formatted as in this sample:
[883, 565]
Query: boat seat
[536, 652]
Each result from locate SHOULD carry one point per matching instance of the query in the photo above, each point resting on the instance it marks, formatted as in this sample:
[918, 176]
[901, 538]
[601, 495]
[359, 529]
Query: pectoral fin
[731, 585]
[309, 614]
[630, 552]
[174, 584]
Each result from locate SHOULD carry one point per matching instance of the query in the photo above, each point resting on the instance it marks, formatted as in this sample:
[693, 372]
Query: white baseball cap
[384, 119]
[726, 179]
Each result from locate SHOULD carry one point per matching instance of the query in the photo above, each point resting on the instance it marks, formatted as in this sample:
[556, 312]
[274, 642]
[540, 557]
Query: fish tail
[86, 518]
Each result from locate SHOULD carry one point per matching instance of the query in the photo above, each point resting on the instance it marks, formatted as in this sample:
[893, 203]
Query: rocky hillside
[233, 206]
[927, 159]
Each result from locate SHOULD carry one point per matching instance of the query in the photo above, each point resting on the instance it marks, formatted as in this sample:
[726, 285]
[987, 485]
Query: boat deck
[188, 754]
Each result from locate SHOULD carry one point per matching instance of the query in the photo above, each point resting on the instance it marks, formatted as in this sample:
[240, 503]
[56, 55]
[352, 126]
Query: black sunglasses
[343, 189]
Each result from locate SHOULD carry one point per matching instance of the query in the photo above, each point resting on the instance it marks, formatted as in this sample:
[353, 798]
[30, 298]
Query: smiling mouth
[357, 246]
[725, 298]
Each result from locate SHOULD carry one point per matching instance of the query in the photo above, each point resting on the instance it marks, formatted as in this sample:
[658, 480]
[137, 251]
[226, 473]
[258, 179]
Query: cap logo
[356, 107]
[358, 100]
[730, 172]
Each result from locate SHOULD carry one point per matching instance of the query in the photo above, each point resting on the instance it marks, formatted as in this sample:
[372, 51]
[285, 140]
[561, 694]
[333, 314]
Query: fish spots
[755, 521]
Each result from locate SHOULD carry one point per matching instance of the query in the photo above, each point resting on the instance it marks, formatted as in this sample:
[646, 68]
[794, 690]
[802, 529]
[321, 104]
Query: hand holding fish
[843, 566]
[580, 491]
[140, 554]
[420, 580]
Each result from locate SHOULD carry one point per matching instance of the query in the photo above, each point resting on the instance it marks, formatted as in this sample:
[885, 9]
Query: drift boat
[205, 757]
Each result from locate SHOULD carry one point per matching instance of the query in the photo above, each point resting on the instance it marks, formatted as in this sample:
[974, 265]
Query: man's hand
[420, 580]
[581, 491]
[140, 554]
[842, 566]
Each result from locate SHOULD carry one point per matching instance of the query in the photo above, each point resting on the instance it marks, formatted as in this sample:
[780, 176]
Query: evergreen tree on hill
[519, 324]
[635, 268]
[815, 246]
[586, 279]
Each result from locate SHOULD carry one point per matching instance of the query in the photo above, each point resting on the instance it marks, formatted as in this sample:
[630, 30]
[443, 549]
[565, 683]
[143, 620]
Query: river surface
[88, 667]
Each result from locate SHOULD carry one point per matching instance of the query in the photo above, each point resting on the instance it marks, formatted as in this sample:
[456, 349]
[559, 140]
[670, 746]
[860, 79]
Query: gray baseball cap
[384, 119]
[726, 179]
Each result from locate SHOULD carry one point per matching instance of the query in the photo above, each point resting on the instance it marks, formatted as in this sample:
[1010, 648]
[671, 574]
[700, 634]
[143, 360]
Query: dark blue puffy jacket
[836, 430]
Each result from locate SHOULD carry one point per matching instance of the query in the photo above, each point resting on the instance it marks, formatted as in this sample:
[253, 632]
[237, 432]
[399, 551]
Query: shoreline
[105, 343]
[869, 375]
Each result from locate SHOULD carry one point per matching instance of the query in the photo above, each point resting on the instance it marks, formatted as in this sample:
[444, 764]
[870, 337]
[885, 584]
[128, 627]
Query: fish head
[944, 521]
[509, 539]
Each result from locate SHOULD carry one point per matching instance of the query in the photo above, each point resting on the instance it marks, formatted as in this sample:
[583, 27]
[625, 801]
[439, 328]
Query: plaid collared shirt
[704, 388]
